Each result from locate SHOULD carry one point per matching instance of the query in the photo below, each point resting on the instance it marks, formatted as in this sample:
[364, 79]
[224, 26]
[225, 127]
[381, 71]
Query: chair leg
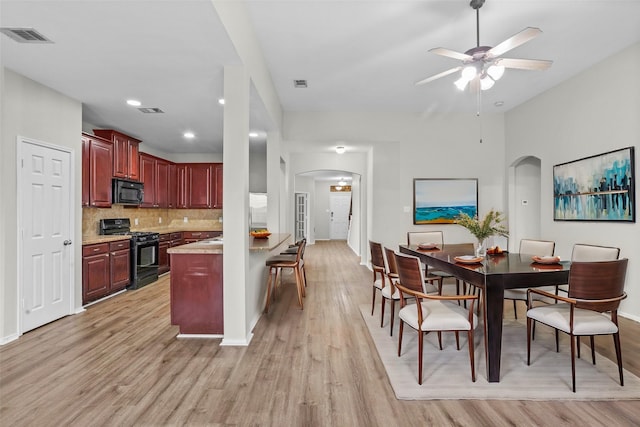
[373, 300]
[420, 345]
[440, 339]
[578, 345]
[302, 280]
[593, 351]
[530, 324]
[472, 355]
[382, 304]
[268, 301]
[393, 312]
[400, 336]
[515, 309]
[616, 342]
[573, 361]
[457, 340]
[557, 341]
[300, 287]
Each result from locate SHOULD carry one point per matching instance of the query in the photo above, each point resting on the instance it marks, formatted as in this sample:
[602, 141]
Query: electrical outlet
[160, 220]
[135, 221]
[185, 219]
[220, 220]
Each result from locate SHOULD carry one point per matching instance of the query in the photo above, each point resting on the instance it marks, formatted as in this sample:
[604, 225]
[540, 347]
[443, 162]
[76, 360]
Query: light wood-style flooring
[119, 363]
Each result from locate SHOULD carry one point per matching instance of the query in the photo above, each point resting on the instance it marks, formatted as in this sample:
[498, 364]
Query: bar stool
[292, 250]
[276, 264]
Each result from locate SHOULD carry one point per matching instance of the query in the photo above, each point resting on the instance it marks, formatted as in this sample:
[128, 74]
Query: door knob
[66, 242]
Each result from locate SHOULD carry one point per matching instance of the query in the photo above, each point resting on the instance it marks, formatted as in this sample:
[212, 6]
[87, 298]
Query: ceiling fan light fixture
[495, 71]
[486, 83]
[469, 72]
[340, 149]
[461, 83]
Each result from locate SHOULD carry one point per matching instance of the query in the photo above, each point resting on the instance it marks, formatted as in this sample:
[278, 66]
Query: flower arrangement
[490, 225]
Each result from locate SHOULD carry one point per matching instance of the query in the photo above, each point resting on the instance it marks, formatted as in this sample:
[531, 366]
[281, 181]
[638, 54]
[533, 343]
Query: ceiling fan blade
[437, 76]
[524, 64]
[514, 41]
[451, 54]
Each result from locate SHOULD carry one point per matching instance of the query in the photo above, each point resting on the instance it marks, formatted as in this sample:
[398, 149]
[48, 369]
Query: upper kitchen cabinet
[155, 174]
[125, 153]
[203, 185]
[97, 159]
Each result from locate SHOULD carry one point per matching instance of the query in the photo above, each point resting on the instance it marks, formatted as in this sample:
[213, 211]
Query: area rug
[447, 374]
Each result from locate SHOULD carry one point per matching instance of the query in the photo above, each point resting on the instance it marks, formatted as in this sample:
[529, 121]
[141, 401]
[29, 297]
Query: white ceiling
[359, 55]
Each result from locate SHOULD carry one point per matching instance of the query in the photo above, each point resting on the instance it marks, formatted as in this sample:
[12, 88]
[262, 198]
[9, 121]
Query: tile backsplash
[147, 218]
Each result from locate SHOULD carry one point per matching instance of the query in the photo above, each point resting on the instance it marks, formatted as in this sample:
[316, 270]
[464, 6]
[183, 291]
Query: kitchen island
[197, 303]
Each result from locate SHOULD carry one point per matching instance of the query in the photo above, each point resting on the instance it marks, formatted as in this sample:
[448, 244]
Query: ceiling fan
[482, 66]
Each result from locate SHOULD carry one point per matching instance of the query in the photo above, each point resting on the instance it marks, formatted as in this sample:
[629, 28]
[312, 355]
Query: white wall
[37, 112]
[594, 112]
[398, 148]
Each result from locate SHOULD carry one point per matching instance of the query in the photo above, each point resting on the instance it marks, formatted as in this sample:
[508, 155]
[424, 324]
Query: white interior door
[45, 237]
[339, 206]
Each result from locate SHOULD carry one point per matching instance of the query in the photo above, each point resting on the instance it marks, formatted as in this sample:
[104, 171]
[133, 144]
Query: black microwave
[127, 192]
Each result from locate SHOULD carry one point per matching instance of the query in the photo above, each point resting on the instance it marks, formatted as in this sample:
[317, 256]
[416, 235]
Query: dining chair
[378, 267]
[437, 239]
[390, 291]
[276, 264]
[432, 313]
[590, 307]
[528, 248]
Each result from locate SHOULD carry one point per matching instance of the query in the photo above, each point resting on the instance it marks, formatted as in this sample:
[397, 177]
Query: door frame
[20, 141]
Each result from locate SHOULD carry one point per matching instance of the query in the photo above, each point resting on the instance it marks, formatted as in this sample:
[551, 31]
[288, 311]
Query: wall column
[236, 204]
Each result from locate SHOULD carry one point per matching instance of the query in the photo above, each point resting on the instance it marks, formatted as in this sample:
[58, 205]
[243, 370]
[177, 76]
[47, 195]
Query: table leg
[493, 313]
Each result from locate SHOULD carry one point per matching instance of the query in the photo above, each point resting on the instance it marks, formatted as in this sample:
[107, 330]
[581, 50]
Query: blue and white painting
[441, 201]
[596, 188]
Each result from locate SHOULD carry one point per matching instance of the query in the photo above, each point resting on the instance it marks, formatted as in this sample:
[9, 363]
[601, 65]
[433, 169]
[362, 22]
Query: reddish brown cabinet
[162, 183]
[217, 186]
[125, 153]
[182, 196]
[96, 277]
[119, 265]
[97, 156]
[196, 293]
[172, 196]
[106, 268]
[200, 185]
[194, 236]
[163, 256]
[148, 178]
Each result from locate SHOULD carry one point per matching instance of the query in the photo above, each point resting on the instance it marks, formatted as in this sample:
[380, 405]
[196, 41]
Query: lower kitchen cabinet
[106, 269]
[163, 256]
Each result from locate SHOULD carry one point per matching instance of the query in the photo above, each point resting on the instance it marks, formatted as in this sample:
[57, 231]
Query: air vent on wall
[25, 35]
[300, 83]
[148, 110]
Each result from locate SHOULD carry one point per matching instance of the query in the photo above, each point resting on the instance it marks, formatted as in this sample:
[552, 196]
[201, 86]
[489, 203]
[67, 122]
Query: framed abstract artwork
[596, 188]
[440, 201]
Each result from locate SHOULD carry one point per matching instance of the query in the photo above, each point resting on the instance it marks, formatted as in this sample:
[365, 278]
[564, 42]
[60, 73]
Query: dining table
[493, 274]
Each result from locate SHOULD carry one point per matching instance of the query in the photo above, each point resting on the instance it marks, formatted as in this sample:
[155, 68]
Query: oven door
[144, 263]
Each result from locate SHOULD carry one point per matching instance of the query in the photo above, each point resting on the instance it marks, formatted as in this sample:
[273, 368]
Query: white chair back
[594, 253]
[417, 237]
[537, 247]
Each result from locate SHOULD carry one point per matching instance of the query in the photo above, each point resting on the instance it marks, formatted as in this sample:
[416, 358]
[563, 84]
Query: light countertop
[215, 246]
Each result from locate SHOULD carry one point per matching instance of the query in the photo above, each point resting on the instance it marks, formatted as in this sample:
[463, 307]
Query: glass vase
[481, 248]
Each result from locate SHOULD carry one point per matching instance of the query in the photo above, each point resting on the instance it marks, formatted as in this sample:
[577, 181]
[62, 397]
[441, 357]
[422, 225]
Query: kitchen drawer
[165, 237]
[119, 245]
[200, 234]
[176, 236]
[99, 248]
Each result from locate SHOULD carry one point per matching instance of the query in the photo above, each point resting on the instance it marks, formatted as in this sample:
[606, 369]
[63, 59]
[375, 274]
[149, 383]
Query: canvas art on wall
[440, 201]
[596, 188]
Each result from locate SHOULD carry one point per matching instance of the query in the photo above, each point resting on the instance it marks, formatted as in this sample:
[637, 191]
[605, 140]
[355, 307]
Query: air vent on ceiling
[148, 110]
[25, 35]
[300, 83]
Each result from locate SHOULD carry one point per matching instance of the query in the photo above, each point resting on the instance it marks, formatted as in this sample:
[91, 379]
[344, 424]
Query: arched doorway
[524, 200]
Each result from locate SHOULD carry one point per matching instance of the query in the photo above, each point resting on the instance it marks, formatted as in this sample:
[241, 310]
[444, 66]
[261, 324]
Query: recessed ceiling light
[189, 135]
[134, 102]
[340, 150]
[221, 101]
[253, 134]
